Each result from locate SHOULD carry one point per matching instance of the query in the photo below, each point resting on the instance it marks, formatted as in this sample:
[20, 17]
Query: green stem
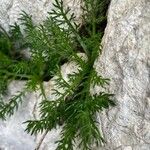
[42, 90]
[75, 32]
[14, 74]
[4, 32]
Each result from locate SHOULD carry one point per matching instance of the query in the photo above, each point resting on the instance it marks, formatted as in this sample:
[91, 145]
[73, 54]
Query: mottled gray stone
[125, 59]
[12, 131]
[10, 10]
[12, 135]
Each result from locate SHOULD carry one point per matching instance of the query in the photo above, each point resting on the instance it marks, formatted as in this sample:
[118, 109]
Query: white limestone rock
[12, 135]
[12, 131]
[10, 10]
[126, 61]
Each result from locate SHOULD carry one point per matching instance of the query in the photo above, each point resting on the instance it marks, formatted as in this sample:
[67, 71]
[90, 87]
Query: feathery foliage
[56, 41]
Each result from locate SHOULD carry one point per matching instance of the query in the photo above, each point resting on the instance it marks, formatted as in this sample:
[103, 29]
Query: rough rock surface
[10, 10]
[125, 59]
[12, 131]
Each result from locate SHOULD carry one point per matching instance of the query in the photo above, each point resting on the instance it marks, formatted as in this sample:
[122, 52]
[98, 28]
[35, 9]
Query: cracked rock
[125, 60]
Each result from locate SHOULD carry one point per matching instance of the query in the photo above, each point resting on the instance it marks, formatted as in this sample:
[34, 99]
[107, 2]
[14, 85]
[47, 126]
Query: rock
[10, 10]
[12, 135]
[125, 60]
[12, 131]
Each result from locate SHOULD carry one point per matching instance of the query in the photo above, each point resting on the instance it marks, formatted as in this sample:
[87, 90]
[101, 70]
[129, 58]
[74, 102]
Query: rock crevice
[125, 60]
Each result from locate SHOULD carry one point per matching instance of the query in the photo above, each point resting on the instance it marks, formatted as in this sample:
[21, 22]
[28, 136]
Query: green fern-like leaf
[52, 43]
[13, 104]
